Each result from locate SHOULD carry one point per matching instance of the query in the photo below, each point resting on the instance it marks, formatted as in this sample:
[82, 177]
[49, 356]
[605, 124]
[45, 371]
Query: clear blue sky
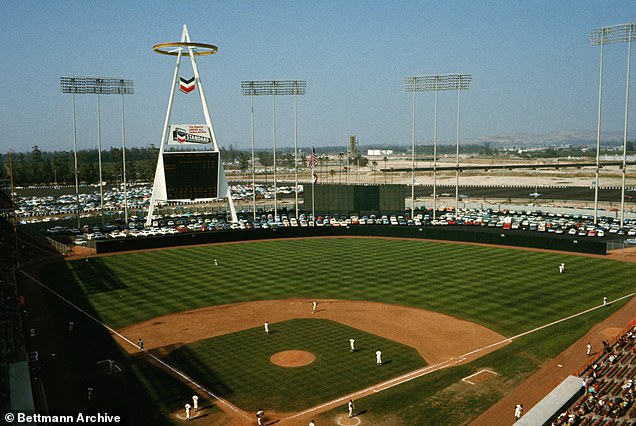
[533, 68]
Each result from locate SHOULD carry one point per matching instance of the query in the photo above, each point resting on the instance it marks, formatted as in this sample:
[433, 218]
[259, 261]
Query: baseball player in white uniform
[351, 407]
[518, 411]
[195, 402]
[352, 344]
[378, 357]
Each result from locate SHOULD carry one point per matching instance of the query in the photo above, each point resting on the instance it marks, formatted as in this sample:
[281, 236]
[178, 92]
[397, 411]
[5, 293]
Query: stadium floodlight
[97, 86]
[124, 87]
[462, 83]
[74, 85]
[621, 33]
[435, 83]
[275, 88]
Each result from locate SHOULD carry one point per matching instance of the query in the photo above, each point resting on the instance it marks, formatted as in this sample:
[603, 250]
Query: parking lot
[62, 206]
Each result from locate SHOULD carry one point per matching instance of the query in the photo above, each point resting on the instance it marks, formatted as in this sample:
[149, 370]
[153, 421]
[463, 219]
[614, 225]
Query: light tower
[435, 83]
[275, 88]
[621, 33]
[98, 86]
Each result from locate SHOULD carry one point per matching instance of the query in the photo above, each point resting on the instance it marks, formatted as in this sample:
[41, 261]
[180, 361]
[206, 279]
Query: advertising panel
[189, 134]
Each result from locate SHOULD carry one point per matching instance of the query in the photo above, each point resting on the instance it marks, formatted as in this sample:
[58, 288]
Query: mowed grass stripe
[507, 290]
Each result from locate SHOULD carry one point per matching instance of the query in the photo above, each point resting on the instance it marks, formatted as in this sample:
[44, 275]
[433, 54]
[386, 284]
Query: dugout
[355, 199]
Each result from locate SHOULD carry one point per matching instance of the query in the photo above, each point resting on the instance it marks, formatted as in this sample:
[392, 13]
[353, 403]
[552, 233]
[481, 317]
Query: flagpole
[313, 200]
[312, 163]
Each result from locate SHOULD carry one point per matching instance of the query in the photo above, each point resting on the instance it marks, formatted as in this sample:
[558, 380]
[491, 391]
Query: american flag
[313, 158]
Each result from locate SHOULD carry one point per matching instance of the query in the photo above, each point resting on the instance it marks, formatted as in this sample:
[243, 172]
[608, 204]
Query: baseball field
[439, 312]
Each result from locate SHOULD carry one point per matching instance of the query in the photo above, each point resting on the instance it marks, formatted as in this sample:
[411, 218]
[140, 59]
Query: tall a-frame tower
[189, 167]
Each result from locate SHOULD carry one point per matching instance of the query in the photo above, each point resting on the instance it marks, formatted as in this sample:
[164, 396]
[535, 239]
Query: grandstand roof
[552, 403]
[20, 382]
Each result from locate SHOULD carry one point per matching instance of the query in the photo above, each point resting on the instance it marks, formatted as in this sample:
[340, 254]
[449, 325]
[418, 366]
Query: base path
[435, 336]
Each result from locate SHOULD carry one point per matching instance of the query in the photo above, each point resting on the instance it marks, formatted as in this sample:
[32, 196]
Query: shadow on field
[184, 359]
[74, 351]
[95, 276]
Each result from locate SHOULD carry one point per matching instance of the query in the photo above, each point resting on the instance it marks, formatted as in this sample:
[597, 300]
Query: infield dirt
[436, 337]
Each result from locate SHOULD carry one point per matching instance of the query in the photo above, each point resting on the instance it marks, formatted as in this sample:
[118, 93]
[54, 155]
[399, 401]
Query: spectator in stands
[594, 371]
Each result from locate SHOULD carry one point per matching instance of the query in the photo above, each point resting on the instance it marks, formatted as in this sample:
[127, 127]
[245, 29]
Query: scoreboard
[360, 199]
[191, 175]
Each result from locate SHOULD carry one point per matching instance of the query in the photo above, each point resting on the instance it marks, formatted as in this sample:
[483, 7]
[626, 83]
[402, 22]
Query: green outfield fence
[448, 233]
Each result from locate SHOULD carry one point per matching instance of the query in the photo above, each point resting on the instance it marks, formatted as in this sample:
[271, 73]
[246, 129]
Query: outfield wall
[451, 233]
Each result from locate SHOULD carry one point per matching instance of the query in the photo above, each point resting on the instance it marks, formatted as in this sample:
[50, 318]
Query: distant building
[379, 152]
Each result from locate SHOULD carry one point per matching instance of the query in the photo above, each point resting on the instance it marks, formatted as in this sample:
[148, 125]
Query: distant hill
[562, 138]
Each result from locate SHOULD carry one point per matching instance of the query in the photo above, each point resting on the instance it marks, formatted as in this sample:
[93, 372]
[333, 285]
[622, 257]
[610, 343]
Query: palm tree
[323, 161]
[340, 157]
[332, 173]
[374, 164]
[385, 159]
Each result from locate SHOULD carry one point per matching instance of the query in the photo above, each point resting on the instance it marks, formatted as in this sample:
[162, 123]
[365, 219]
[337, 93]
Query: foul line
[439, 366]
[124, 338]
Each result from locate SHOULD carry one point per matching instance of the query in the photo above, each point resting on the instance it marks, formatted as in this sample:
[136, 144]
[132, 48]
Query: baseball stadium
[365, 304]
[465, 330]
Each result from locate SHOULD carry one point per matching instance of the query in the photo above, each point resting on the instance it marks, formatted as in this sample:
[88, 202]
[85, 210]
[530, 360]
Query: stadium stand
[5, 201]
[11, 338]
[607, 385]
[16, 367]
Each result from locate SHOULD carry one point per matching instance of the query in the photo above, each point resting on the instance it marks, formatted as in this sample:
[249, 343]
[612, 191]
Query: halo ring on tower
[198, 49]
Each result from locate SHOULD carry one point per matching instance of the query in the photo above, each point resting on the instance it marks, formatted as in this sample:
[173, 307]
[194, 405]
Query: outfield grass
[509, 291]
[237, 366]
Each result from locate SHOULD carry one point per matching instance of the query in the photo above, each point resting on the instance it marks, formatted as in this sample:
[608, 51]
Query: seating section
[11, 336]
[609, 389]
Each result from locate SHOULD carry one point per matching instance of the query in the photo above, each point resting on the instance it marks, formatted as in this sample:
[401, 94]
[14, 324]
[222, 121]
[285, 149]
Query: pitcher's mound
[292, 358]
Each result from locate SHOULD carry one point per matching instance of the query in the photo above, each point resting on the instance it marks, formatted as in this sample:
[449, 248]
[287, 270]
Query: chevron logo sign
[186, 86]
